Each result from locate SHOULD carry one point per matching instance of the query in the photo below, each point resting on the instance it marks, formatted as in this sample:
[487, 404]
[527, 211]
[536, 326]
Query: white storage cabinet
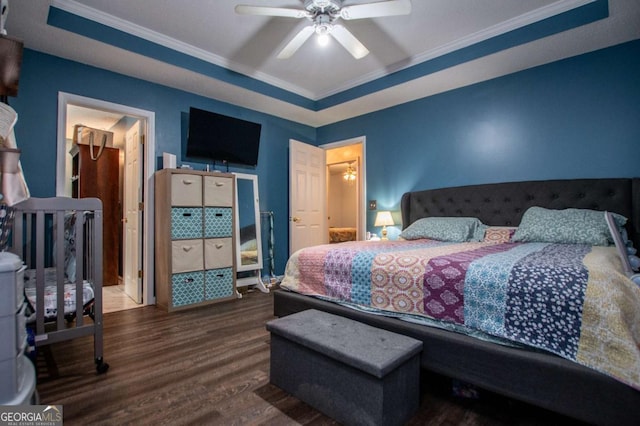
[195, 238]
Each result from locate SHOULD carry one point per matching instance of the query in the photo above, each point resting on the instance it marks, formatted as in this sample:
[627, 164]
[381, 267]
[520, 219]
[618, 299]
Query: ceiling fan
[323, 14]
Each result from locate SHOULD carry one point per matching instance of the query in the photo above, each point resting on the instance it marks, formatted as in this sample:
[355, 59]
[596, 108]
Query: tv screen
[221, 138]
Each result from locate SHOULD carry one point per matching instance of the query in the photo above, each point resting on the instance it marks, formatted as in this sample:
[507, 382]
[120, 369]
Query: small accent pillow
[498, 234]
[569, 226]
[454, 229]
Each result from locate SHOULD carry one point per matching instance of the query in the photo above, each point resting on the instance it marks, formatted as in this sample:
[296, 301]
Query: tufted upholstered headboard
[503, 204]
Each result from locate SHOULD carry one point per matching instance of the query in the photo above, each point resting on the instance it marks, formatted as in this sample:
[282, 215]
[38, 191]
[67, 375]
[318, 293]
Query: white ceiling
[96, 119]
[212, 31]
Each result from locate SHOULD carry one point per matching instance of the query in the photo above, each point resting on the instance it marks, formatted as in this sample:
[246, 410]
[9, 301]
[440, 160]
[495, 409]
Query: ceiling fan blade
[375, 10]
[296, 42]
[243, 9]
[349, 41]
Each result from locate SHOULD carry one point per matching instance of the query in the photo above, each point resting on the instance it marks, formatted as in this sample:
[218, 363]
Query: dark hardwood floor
[209, 366]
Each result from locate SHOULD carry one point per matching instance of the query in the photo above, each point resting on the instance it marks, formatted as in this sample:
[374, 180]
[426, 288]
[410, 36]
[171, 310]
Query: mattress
[339, 235]
[567, 299]
[249, 252]
[51, 293]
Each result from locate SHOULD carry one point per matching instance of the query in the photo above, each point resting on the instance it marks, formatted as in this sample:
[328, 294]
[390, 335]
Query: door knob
[296, 219]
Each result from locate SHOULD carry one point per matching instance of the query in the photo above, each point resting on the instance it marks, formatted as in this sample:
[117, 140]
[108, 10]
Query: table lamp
[383, 219]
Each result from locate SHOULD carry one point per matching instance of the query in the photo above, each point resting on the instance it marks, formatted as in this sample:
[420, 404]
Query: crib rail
[45, 232]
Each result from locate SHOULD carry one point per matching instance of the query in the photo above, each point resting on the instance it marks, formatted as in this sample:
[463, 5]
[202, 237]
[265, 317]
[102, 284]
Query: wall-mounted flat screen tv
[219, 138]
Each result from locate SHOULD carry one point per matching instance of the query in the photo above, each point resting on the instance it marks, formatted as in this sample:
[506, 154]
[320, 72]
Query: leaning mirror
[249, 244]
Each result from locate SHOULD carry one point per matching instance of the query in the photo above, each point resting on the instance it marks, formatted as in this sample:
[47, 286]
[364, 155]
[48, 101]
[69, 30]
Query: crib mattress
[51, 293]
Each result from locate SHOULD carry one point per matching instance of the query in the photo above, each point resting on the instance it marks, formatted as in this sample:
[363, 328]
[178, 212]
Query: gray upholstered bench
[352, 372]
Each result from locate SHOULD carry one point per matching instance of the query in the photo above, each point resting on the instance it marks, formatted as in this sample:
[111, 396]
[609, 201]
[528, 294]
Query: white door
[307, 196]
[132, 214]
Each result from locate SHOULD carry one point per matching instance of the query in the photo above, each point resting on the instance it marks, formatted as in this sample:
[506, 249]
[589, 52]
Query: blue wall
[43, 76]
[574, 118]
[578, 117]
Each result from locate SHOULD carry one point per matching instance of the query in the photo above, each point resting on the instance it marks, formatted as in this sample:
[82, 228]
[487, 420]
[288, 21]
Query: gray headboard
[503, 204]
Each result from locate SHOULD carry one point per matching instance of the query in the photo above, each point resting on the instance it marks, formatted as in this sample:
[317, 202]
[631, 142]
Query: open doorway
[345, 190]
[309, 170]
[133, 150]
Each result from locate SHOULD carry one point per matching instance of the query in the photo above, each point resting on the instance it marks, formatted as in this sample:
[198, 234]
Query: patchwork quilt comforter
[568, 299]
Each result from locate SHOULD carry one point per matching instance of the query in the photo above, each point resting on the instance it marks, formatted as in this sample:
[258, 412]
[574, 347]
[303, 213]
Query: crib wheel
[101, 366]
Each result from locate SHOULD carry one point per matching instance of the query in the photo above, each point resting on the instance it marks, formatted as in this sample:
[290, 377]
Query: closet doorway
[134, 147]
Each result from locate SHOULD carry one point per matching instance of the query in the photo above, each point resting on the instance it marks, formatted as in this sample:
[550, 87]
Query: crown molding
[128, 27]
[504, 27]
[545, 12]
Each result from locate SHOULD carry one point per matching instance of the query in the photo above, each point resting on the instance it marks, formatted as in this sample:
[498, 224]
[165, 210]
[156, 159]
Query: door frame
[149, 149]
[362, 178]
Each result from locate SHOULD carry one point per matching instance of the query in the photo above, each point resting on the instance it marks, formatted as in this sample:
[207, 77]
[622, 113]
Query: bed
[538, 376]
[59, 239]
[248, 245]
[340, 235]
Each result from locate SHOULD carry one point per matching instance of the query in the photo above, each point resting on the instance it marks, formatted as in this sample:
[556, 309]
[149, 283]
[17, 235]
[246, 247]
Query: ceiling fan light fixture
[350, 174]
[323, 30]
[323, 14]
[323, 39]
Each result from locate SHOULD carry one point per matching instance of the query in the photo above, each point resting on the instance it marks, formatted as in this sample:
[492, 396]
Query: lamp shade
[383, 219]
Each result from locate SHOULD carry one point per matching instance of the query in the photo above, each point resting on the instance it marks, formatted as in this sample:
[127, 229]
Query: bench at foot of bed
[350, 371]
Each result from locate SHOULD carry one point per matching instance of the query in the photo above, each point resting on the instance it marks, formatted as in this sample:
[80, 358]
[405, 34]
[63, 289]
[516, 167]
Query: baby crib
[60, 241]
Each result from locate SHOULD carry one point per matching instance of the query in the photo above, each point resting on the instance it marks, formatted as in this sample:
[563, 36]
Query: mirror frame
[256, 210]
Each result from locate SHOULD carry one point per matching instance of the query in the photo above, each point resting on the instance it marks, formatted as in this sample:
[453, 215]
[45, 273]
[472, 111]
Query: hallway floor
[115, 299]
